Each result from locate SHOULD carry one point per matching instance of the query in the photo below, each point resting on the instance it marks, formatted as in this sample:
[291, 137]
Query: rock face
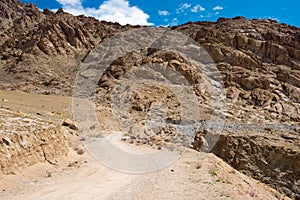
[259, 58]
[41, 51]
[252, 153]
[259, 63]
[25, 141]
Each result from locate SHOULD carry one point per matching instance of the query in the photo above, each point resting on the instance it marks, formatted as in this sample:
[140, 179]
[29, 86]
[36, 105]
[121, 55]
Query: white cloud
[274, 18]
[174, 22]
[197, 8]
[218, 8]
[69, 2]
[206, 16]
[163, 13]
[183, 7]
[110, 10]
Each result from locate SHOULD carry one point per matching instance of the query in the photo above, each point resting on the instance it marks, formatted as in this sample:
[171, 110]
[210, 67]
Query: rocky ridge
[256, 79]
[31, 41]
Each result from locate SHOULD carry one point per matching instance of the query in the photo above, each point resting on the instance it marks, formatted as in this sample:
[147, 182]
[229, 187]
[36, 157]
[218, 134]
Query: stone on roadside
[70, 123]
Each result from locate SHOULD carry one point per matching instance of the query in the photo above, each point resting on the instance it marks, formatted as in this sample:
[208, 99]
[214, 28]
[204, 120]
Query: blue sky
[175, 12]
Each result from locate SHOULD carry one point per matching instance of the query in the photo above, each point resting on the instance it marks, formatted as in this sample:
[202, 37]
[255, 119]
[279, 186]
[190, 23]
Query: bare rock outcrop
[25, 141]
[276, 165]
[41, 51]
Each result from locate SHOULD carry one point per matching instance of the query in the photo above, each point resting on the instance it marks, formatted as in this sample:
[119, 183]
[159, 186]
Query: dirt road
[193, 176]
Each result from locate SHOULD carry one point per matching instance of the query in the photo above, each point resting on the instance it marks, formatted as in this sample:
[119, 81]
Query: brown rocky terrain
[62, 173]
[28, 141]
[31, 131]
[38, 40]
[259, 63]
[256, 97]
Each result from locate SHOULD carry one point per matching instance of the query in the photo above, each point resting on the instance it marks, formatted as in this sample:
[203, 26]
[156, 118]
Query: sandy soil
[194, 176]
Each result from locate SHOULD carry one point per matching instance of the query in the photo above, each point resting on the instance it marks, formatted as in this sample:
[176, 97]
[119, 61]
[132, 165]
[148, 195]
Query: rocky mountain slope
[261, 135]
[259, 61]
[31, 41]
